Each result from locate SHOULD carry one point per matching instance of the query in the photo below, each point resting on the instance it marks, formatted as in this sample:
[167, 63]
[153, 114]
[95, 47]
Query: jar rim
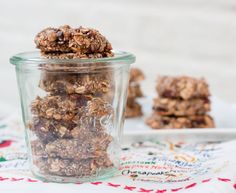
[34, 57]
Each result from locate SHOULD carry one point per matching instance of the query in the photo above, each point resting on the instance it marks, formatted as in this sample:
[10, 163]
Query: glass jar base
[104, 174]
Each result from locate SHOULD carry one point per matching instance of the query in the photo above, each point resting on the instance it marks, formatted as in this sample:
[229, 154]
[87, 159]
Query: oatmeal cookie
[156, 121]
[93, 83]
[178, 107]
[134, 91]
[72, 40]
[70, 107]
[49, 130]
[61, 55]
[136, 75]
[133, 109]
[76, 149]
[73, 168]
[182, 87]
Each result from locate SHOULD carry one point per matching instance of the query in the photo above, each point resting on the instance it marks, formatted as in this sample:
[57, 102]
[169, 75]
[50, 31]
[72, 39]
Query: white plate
[224, 115]
[185, 135]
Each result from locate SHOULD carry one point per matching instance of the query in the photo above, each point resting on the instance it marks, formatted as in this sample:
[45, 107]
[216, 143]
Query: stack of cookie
[183, 103]
[133, 108]
[71, 138]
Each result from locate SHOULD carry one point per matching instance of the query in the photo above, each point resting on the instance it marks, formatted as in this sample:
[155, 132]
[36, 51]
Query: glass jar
[73, 112]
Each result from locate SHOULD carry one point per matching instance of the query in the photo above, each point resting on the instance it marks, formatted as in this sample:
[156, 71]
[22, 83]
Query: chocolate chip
[168, 94]
[162, 109]
[165, 122]
[60, 35]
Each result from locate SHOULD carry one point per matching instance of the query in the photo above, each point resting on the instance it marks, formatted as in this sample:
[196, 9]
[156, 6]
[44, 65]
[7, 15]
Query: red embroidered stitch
[113, 185]
[144, 190]
[2, 179]
[96, 183]
[131, 188]
[161, 191]
[235, 186]
[207, 180]
[191, 185]
[176, 189]
[31, 180]
[224, 179]
[16, 179]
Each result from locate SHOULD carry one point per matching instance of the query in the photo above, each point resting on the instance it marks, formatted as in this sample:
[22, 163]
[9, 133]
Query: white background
[194, 37]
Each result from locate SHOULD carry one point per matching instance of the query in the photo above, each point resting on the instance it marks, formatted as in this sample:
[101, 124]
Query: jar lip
[34, 57]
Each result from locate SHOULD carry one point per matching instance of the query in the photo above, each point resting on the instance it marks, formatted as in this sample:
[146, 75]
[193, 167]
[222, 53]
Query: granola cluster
[133, 108]
[72, 122]
[183, 102]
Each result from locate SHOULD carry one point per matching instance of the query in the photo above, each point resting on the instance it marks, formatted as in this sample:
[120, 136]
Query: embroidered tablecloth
[146, 166]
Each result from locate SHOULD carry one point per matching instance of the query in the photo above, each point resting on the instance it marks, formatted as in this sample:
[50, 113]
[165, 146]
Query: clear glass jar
[73, 111]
